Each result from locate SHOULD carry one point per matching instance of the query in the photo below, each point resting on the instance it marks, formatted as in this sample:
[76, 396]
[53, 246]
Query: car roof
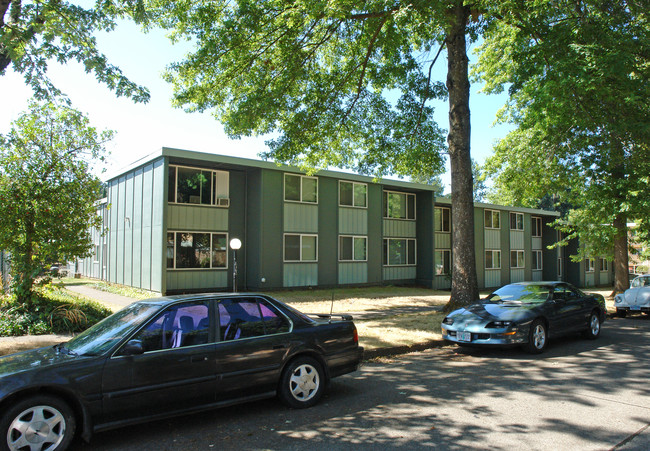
[168, 300]
[548, 283]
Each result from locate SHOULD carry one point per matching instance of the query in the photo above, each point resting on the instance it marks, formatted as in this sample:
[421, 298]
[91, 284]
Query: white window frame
[387, 252]
[537, 224]
[354, 184]
[517, 222]
[215, 199]
[302, 177]
[406, 195]
[604, 265]
[442, 222]
[435, 259]
[493, 252]
[538, 259]
[220, 268]
[354, 257]
[492, 214]
[590, 265]
[517, 259]
[301, 235]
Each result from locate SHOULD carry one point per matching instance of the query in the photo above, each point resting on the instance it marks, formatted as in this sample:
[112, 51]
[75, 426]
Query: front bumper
[496, 337]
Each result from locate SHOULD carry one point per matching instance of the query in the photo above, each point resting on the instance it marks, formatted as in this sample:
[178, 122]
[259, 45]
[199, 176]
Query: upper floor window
[300, 188]
[537, 226]
[492, 219]
[191, 250]
[353, 194]
[399, 205]
[198, 186]
[516, 221]
[442, 219]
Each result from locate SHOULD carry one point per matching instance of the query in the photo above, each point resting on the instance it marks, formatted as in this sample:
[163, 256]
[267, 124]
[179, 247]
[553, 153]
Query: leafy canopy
[47, 190]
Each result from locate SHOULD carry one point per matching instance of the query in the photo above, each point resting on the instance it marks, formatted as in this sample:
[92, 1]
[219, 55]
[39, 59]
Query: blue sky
[144, 128]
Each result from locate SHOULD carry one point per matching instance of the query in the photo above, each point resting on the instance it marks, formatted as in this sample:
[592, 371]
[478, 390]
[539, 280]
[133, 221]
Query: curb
[398, 350]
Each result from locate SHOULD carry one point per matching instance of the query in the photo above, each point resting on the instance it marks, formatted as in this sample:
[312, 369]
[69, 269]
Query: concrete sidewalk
[113, 301]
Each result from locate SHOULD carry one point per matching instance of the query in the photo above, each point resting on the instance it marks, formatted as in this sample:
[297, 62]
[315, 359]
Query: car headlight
[618, 299]
[449, 321]
[499, 324]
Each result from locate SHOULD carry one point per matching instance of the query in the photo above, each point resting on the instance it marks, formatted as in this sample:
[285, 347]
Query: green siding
[516, 239]
[441, 283]
[479, 245]
[353, 272]
[397, 273]
[375, 239]
[353, 221]
[327, 231]
[300, 275]
[121, 224]
[271, 243]
[300, 218]
[492, 239]
[190, 217]
[443, 240]
[538, 275]
[197, 280]
[236, 226]
[128, 231]
[137, 229]
[158, 236]
[536, 243]
[493, 277]
[147, 227]
[395, 228]
[590, 279]
[517, 275]
[253, 232]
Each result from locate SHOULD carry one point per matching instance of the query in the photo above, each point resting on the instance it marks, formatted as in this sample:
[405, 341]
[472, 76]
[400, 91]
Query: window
[353, 194]
[492, 259]
[249, 317]
[604, 265]
[442, 221]
[590, 264]
[191, 250]
[517, 259]
[492, 219]
[516, 221]
[352, 248]
[399, 205]
[442, 262]
[198, 186]
[178, 326]
[399, 251]
[300, 248]
[537, 260]
[300, 188]
[537, 226]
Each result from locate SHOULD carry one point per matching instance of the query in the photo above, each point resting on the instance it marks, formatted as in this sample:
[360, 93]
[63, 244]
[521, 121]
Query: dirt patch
[10, 345]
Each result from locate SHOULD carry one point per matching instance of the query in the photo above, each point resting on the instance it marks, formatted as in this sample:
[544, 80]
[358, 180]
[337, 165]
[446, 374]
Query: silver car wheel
[595, 325]
[539, 336]
[37, 428]
[304, 382]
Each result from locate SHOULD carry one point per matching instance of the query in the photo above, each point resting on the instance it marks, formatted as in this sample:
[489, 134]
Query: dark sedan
[526, 314]
[169, 356]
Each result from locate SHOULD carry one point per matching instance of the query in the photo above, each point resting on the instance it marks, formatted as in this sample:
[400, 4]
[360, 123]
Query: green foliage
[47, 191]
[51, 310]
[34, 33]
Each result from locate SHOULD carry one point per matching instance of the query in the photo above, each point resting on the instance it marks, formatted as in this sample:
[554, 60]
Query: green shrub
[53, 310]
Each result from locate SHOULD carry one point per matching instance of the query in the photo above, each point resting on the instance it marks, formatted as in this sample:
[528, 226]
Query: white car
[635, 299]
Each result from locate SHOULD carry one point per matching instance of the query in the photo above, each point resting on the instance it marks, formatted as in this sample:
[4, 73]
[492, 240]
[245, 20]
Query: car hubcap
[595, 325]
[304, 382]
[539, 336]
[37, 428]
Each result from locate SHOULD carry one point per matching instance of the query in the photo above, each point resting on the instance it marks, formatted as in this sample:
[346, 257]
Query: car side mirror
[133, 347]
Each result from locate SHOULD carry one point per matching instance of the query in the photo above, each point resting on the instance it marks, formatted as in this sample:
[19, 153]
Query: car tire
[44, 421]
[302, 383]
[621, 313]
[537, 337]
[593, 326]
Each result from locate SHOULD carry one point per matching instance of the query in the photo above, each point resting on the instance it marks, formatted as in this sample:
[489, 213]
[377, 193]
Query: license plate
[464, 336]
[635, 307]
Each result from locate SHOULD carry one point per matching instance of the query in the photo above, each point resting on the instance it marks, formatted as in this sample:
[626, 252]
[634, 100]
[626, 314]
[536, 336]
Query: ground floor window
[442, 262]
[492, 259]
[352, 248]
[197, 250]
[537, 259]
[591, 264]
[517, 259]
[399, 251]
[300, 248]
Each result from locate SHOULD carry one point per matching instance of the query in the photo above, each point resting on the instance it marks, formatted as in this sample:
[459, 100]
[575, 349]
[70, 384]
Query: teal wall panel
[590, 279]
[136, 273]
[197, 280]
[492, 239]
[397, 273]
[158, 236]
[300, 274]
[353, 272]
[147, 230]
[128, 231]
[300, 218]
[271, 220]
[538, 275]
[536, 242]
[236, 225]
[517, 275]
[375, 239]
[443, 240]
[425, 239]
[395, 228]
[190, 217]
[442, 283]
[121, 215]
[479, 245]
[353, 221]
[492, 278]
[327, 231]
[516, 239]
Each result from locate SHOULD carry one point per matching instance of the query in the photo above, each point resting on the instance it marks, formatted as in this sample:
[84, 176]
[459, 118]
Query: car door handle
[281, 346]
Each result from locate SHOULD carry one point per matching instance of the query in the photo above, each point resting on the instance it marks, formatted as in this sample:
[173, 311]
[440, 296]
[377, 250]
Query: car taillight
[355, 336]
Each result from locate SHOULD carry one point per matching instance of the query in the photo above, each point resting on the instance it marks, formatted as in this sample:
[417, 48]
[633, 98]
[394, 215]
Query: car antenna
[332, 307]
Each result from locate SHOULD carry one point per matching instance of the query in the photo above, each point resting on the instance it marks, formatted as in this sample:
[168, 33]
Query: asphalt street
[578, 395]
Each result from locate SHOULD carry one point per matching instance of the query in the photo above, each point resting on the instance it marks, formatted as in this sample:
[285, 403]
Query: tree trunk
[464, 283]
[621, 266]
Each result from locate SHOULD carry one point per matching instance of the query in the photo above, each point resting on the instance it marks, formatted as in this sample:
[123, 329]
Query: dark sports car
[169, 356]
[526, 314]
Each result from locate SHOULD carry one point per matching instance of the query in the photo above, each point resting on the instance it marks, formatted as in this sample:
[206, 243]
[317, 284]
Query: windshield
[103, 335]
[520, 293]
[641, 282]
